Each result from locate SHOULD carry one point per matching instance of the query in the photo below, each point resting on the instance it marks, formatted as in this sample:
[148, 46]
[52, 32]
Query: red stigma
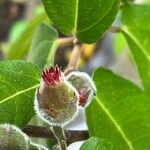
[82, 99]
[51, 76]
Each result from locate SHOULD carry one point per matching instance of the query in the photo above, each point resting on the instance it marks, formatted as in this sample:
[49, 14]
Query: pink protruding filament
[51, 76]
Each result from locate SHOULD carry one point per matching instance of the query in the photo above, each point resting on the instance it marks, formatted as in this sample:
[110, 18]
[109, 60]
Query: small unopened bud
[56, 100]
[11, 138]
[84, 85]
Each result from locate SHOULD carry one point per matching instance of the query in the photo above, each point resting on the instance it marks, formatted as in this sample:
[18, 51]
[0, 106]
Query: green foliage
[119, 43]
[136, 29]
[20, 46]
[43, 46]
[87, 19]
[17, 30]
[147, 2]
[96, 144]
[135, 19]
[18, 80]
[141, 59]
[119, 112]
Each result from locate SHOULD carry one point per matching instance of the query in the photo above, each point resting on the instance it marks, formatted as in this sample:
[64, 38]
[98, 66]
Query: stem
[29, 8]
[42, 132]
[114, 29]
[65, 41]
[60, 136]
[74, 58]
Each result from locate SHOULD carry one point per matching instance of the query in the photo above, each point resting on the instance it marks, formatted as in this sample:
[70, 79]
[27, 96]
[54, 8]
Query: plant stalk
[74, 58]
[60, 136]
[114, 29]
[65, 41]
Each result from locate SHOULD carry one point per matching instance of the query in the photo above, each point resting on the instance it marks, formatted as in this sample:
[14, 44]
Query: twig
[114, 29]
[60, 136]
[74, 58]
[65, 41]
[42, 132]
[29, 8]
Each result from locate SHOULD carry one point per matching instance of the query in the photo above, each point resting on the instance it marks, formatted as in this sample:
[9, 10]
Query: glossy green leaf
[44, 45]
[119, 43]
[135, 19]
[20, 46]
[87, 19]
[96, 144]
[142, 60]
[18, 82]
[119, 113]
[136, 29]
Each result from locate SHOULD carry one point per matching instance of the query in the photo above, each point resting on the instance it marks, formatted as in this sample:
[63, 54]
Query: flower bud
[84, 85]
[11, 138]
[56, 100]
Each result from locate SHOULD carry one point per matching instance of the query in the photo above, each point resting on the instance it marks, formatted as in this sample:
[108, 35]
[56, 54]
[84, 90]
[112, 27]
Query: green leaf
[135, 19]
[119, 43]
[119, 113]
[44, 45]
[20, 46]
[136, 29]
[18, 82]
[17, 29]
[124, 1]
[146, 2]
[87, 19]
[142, 60]
[96, 144]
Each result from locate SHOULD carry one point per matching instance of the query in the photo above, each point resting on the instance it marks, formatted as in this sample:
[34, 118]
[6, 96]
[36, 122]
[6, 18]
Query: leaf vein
[76, 16]
[94, 24]
[18, 93]
[119, 129]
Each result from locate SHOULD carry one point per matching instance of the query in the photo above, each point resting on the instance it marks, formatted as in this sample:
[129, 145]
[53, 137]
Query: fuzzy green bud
[56, 100]
[11, 138]
[83, 83]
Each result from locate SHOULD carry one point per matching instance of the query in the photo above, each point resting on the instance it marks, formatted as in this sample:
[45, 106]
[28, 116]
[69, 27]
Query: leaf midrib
[99, 20]
[124, 30]
[118, 127]
[76, 16]
[19, 93]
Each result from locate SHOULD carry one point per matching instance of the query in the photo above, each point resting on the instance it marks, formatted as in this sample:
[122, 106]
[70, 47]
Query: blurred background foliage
[20, 18]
